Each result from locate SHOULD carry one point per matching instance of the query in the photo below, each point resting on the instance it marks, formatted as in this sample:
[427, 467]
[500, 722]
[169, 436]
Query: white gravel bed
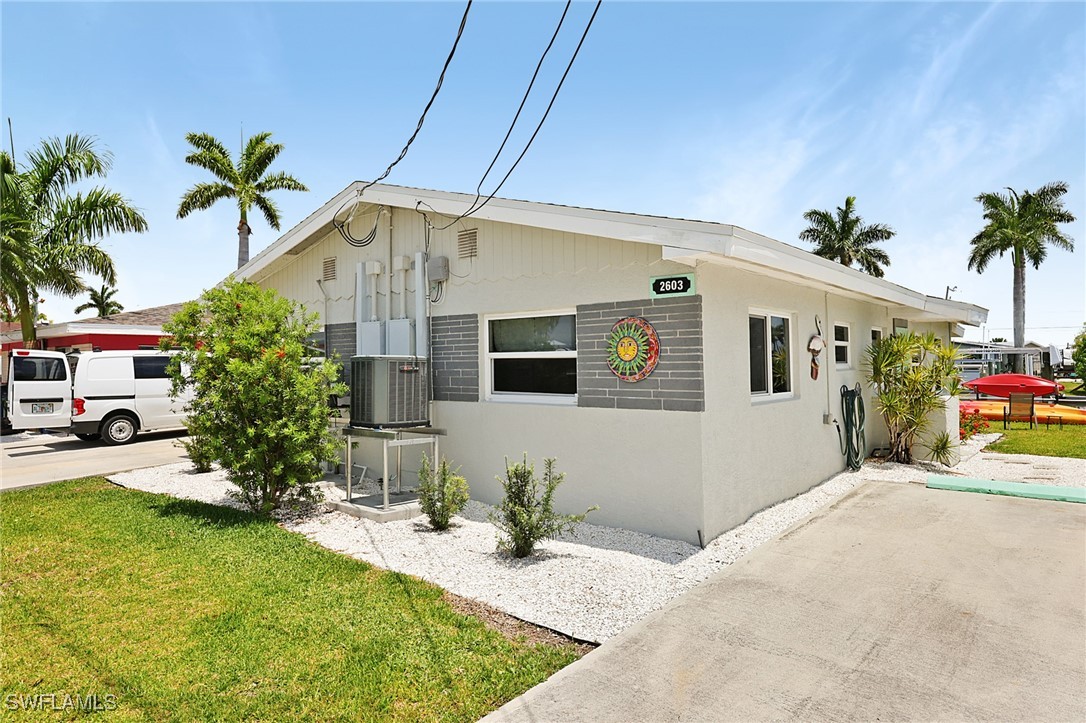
[591, 584]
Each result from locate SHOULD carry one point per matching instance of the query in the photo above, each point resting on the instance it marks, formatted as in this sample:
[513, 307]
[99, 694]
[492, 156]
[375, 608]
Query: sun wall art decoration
[633, 349]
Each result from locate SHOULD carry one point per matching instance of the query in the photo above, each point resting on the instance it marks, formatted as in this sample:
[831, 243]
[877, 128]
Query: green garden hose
[853, 443]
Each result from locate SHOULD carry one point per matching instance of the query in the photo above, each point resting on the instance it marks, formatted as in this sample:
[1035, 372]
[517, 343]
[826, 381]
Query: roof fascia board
[681, 239]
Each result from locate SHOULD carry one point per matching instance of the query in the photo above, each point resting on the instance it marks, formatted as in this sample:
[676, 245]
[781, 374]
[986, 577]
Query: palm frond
[98, 213]
[257, 157]
[56, 164]
[203, 196]
[269, 209]
[279, 182]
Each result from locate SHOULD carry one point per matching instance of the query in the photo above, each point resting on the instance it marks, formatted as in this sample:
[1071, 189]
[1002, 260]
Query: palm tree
[1023, 225]
[102, 301]
[844, 238]
[50, 234]
[245, 182]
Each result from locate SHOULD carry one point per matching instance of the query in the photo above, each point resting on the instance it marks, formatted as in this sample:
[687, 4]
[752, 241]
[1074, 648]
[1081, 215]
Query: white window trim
[770, 395]
[847, 363]
[880, 330]
[560, 400]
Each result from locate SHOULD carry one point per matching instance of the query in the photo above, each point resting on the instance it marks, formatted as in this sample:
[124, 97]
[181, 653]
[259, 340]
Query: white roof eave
[682, 240]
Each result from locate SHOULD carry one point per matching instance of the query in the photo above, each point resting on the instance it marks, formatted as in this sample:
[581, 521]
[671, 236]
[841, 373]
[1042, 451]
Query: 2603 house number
[681, 285]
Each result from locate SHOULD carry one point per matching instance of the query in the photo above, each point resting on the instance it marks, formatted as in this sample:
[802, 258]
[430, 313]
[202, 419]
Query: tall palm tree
[1023, 225]
[245, 181]
[50, 233]
[102, 301]
[842, 237]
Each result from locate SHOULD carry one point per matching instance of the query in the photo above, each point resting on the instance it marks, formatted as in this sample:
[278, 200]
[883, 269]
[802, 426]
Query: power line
[343, 229]
[516, 117]
[475, 208]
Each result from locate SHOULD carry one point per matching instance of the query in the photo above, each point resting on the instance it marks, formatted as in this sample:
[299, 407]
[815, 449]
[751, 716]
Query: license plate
[41, 408]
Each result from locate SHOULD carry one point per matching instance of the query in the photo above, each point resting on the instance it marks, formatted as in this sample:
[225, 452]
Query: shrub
[971, 423]
[910, 372]
[441, 495]
[258, 406]
[525, 516]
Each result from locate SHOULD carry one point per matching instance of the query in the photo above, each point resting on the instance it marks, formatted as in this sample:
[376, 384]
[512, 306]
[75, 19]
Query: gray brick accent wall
[454, 346]
[677, 384]
[339, 339]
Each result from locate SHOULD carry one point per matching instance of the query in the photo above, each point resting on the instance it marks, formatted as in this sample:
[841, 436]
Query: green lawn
[1052, 442]
[1073, 386]
[187, 611]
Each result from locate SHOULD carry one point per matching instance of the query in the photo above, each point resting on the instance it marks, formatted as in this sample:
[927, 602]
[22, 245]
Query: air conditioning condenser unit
[390, 391]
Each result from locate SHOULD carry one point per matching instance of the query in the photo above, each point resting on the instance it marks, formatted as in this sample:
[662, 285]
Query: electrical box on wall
[401, 337]
[437, 269]
[371, 338]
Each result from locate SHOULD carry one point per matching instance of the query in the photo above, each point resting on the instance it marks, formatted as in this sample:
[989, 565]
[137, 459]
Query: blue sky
[746, 113]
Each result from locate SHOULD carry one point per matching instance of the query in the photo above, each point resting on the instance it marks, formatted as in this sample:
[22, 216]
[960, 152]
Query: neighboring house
[981, 359]
[523, 300]
[121, 331]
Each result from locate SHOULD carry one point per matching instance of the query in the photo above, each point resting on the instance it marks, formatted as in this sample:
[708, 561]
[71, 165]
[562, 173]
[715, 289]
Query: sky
[743, 113]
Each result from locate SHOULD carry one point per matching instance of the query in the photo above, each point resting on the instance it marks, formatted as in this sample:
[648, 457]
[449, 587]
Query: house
[981, 359]
[662, 361]
[120, 331]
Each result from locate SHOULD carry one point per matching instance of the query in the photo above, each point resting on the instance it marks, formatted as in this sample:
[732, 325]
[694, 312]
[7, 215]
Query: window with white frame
[532, 358]
[842, 333]
[770, 354]
[876, 334]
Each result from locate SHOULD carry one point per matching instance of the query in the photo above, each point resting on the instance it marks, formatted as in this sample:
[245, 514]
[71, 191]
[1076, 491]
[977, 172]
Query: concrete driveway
[47, 458]
[896, 602]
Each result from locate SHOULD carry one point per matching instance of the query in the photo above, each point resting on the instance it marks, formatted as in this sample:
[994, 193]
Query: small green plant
[199, 452]
[441, 494]
[941, 448]
[526, 516]
[970, 424]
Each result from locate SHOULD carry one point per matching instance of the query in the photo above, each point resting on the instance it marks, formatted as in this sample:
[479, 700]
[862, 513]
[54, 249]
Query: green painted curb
[1011, 489]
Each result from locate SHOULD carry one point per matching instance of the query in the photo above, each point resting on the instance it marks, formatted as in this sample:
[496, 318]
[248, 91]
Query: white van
[108, 394]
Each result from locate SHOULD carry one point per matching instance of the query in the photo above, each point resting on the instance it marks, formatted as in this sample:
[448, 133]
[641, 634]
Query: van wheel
[119, 429]
[88, 437]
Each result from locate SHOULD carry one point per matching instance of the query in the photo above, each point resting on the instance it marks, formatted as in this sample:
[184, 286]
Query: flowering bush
[970, 423]
[259, 405]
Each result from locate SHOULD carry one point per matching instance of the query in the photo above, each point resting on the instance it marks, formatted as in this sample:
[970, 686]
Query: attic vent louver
[467, 243]
[329, 271]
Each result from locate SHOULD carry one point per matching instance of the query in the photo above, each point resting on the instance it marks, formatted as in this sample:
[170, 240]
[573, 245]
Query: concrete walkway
[41, 459]
[894, 603]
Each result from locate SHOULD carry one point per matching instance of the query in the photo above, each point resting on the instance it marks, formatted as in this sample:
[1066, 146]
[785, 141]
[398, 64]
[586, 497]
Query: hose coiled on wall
[854, 442]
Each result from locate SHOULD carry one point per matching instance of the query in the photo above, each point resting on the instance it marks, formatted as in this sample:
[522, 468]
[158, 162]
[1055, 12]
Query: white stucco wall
[667, 473]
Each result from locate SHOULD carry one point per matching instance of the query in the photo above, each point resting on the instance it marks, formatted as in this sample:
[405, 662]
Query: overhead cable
[342, 227]
[516, 117]
[475, 205]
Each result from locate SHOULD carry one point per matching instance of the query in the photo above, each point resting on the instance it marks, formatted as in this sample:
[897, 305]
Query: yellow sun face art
[626, 348]
[633, 349]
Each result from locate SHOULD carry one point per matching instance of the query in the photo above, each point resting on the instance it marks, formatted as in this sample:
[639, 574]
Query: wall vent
[467, 243]
[329, 271]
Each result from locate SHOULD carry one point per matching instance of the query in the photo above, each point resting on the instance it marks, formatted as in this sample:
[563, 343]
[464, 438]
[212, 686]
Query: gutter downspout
[388, 296]
[324, 317]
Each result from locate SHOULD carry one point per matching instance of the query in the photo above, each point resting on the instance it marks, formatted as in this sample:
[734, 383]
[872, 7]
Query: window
[770, 354]
[901, 326]
[876, 334]
[150, 367]
[533, 358]
[30, 369]
[841, 336]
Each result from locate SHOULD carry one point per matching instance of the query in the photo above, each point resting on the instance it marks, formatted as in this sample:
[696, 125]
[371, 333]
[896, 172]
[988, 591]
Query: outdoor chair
[1020, 405]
